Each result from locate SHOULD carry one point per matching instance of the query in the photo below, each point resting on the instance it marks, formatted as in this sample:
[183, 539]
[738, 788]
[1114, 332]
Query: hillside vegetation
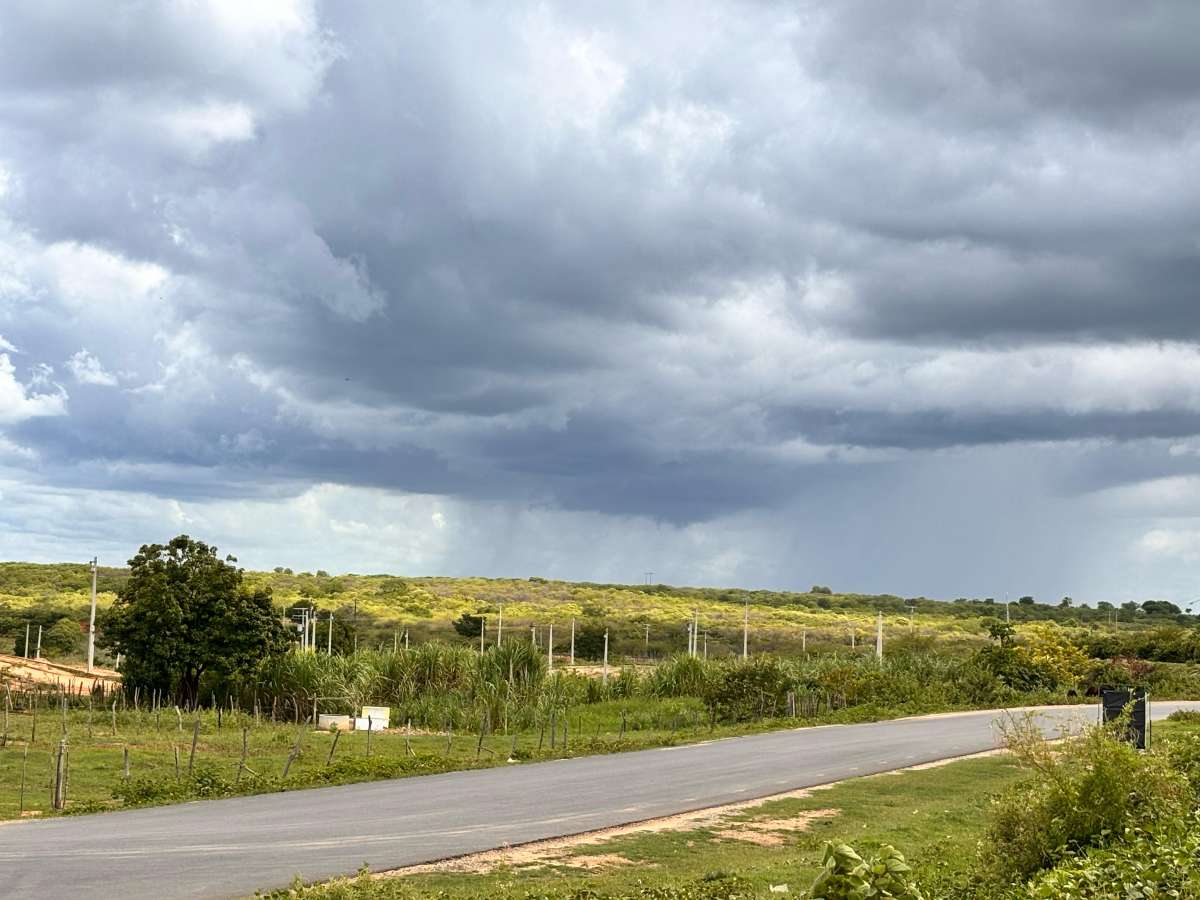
[378, 610]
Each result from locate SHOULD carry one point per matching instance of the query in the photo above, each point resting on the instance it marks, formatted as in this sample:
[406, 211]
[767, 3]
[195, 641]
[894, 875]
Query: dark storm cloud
[595, 257]
[932, 429]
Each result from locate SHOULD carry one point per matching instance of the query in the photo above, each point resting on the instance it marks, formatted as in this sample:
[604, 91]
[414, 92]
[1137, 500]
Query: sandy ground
[562, 851]
[19, 671]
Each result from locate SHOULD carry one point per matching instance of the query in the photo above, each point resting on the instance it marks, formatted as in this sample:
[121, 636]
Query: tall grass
[443, 686]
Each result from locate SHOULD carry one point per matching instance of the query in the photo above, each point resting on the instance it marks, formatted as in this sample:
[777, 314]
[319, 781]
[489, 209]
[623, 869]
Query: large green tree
[185, 612]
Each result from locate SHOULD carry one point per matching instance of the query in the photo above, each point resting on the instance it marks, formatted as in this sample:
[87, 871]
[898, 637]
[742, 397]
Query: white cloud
[1169, 544]
[87, 369]
[18, 402]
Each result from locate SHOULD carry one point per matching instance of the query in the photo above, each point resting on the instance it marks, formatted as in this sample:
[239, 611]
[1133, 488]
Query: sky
[896, 297]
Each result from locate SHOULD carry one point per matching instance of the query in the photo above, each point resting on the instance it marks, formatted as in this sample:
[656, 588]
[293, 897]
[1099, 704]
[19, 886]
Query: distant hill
[382, 607]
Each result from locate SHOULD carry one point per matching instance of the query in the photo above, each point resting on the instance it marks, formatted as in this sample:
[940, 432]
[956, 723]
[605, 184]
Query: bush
[1187, 716]
[1163, 863]
[741, 692]
[1084, 794]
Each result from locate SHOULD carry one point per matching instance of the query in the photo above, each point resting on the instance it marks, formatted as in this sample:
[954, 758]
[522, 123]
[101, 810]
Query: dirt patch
[772, 832]
[21, 673]
[558, 851]
[599, 861]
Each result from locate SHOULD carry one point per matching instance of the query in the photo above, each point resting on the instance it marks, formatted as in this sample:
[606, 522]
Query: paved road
[229, 848]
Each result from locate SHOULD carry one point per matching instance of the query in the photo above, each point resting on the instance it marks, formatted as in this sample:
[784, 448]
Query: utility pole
[572, 641]
[804, 639]
[649, 578]
[1007, 616]
[647, 651]
[329, 643]
[482, 632]
[605, 677]
[499, 624]
[689, 639]
[92, 619]
[38, 653]
[550, 649]
[27, 640]
[746, 632]
[879, 636]
[706, 645]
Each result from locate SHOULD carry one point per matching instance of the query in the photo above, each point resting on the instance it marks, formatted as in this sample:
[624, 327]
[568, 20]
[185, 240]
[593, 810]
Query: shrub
[1048, 648]
[743, 691]
[1163, 863]
[1084, 794]
[1188, 716]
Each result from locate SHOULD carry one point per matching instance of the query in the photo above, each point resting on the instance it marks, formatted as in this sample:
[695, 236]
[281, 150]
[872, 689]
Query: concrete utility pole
[482, 632]
[706, 644]
[689, 639]
[605, 677]
[647, 651]
[746, 632]
[533, 635]
[38, 653]
[92, 619]
[851, 637]
[572, 640]
[804, 639]
[550, 649]
[499, 624]
[879, 636]
[329, 642]
[27, 640]
[695, 633]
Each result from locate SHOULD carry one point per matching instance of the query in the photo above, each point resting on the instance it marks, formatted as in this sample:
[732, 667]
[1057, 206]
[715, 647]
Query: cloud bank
[891, 298]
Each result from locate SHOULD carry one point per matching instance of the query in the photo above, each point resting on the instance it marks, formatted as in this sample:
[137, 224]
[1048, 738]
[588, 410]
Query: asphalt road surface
[231, 848]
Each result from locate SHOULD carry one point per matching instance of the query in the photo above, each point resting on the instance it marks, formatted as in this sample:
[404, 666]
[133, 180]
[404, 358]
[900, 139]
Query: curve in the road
[224, 848]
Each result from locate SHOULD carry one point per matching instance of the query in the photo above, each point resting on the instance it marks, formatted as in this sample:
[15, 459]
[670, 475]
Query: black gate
[1112, 705]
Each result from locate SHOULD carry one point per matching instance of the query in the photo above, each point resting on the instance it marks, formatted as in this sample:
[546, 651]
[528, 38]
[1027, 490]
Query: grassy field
[149, 740]
[936, 816]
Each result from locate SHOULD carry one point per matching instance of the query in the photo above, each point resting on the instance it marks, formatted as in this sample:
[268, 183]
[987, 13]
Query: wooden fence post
[192, 755]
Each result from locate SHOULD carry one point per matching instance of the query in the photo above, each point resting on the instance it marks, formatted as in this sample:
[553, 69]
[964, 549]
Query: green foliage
[1000, 632]
[741, 692]
[1147, 863]
[469, 626]
[848, 876]
[1086, 793]
[63, 638]
[589, 639]
[185, 612]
